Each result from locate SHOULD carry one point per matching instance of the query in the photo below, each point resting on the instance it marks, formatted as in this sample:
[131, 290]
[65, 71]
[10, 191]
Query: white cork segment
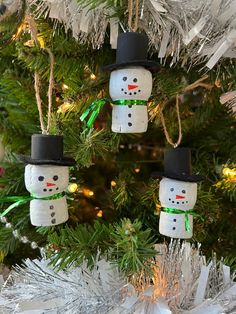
[173, 225]
[129, 119]
[48, 213]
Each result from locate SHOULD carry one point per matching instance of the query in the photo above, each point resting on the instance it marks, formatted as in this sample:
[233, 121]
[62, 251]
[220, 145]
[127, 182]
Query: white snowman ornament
[46, 178]
[130, 83]
[177, 194]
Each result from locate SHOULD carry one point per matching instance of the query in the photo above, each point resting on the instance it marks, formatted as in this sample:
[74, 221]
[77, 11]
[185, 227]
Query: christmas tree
[52, 55]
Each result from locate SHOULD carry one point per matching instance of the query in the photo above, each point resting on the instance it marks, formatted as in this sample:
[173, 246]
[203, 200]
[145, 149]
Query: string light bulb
[229, 172]
[73, 187]
[100, 214]
[137, 169]
[64, 86]
[113, 183]
[66, 106]
[93, 77]
[87, 192]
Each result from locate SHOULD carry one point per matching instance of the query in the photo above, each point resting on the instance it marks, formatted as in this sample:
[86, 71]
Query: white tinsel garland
[9, 7]
[188, 31]
[182, 283]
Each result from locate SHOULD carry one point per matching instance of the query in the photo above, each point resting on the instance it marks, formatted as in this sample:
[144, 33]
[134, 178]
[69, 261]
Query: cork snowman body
[178, 195]
[130, 83]
[47, 181]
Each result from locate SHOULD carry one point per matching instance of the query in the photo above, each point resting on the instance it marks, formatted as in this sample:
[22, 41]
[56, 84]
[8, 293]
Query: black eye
[172, 189]
[40, 178]
[55, 178]
[135, 80]
[124, 78]
[183, 191]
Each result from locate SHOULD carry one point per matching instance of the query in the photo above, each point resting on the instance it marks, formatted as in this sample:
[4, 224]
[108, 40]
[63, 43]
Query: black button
[129, 124]
[53, 214]
[174, 220]
[53, 221]
[129, 115]
[45, 190]
[173, 228]
[50, 190]
[51, 207]
[130, 106]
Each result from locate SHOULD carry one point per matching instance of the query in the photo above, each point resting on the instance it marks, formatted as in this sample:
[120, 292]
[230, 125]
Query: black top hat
[132, 49]
[47, 150]
[177, 165]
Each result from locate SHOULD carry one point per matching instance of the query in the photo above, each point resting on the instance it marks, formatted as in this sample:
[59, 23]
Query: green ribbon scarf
[97, 105]
[186, 213]
[20, 200]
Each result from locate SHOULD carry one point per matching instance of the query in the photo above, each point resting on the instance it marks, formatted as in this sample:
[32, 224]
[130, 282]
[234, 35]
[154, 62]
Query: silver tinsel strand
[182, 282]
[187, 31]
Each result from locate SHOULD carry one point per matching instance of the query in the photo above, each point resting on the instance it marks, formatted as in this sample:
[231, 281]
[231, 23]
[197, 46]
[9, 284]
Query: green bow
[186, 213]
[20, 200]
[97, 105]
[131, 102]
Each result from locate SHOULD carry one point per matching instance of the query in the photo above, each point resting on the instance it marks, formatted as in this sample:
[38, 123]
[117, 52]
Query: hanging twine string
[168, 138]
[133, 27]
[45, 129]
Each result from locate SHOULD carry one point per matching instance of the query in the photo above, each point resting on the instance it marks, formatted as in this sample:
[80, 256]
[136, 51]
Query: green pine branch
[125, 243]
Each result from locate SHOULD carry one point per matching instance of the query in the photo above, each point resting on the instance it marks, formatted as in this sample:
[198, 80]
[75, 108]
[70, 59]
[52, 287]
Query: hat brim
[148, 64]
[185, 178]
[66, 161]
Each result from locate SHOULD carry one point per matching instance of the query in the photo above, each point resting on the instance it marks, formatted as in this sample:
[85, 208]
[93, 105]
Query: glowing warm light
[73, 187]
[229, 172]
[64, 107]
[93, 77]
[64, 86]
[87, 192]
[100, 214]
[218, 83]
[113, 183]
[29, 43]
[158, 206]
[20, 29]
[137, 170]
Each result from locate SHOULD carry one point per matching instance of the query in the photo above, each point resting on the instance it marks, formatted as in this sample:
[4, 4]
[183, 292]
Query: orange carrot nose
[50, 184]
[132, 86]
[179, 196]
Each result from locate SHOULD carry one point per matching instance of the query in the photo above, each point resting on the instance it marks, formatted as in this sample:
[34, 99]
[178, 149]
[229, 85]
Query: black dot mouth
[130, 93]
[178, 202]
[50, 190]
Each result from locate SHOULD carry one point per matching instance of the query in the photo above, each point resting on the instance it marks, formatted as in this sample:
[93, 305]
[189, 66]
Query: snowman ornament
[46, 178]
[177, 194]
[130, 83]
